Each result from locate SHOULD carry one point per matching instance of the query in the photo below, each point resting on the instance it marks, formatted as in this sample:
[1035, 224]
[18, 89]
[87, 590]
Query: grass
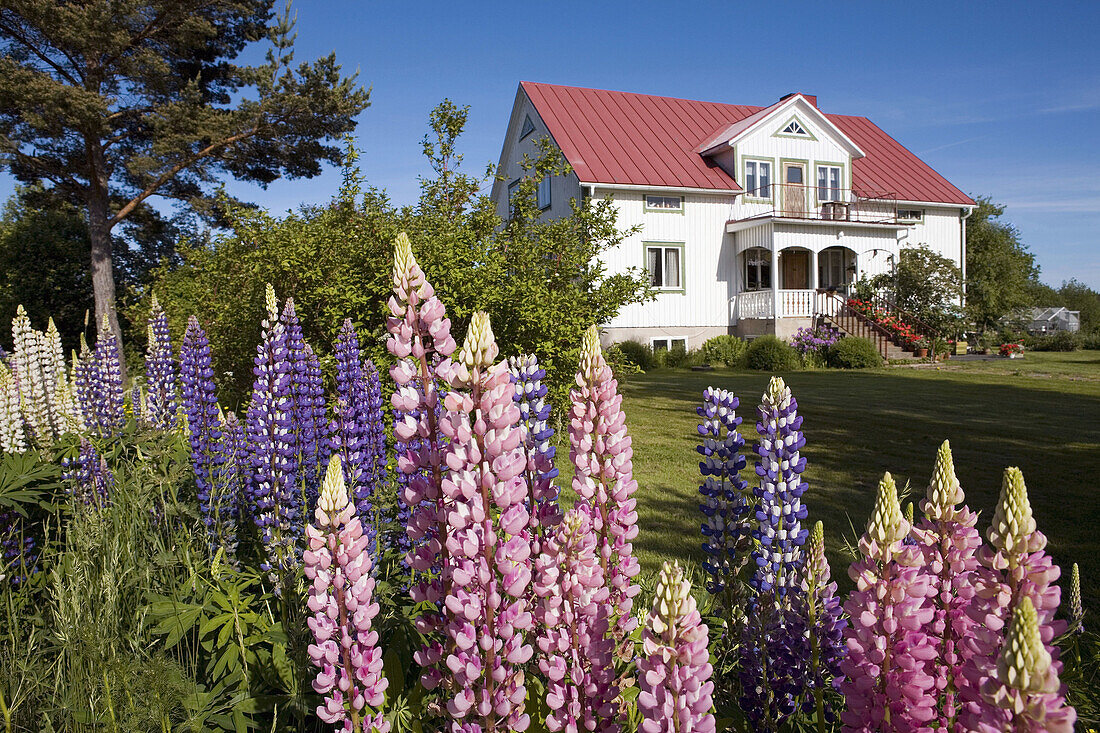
[1041, 413]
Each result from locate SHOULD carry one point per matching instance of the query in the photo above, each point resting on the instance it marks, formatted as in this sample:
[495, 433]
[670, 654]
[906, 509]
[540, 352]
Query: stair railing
[857, 324]
[920, 327]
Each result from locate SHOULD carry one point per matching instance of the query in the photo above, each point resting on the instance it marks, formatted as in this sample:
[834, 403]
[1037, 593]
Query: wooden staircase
[851, 322]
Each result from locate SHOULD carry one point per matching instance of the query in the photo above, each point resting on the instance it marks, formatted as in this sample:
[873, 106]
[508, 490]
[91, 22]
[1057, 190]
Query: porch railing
[800, 303]
[821, 203]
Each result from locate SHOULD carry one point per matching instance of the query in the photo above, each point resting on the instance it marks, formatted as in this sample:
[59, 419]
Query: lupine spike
[160, 371]
[540, 472]
[674, 669]
[18, 559]
[107, 393]
[13, 439]
[1013, 522]
[601, 452]
[887, 684]
[1076, 610]
[338, 566]
[91, 481]
[825, 624]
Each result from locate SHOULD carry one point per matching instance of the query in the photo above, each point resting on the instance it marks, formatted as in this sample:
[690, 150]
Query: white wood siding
[940, 230]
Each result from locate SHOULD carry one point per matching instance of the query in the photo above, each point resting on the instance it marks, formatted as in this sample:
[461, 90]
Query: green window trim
[745, 197]
[830, 164]
[655, 244]
[795, 118]
[658, 210]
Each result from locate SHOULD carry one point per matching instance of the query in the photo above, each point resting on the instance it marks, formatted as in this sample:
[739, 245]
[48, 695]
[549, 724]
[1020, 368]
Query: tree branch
[14, 33]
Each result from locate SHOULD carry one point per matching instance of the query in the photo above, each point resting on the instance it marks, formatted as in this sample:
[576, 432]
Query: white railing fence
[755, 304]
[792, 304]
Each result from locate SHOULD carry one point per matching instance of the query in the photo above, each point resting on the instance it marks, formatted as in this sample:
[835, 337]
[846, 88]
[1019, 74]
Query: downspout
[962, 250]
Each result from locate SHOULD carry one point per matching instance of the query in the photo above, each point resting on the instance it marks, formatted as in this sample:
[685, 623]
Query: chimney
[811, 98]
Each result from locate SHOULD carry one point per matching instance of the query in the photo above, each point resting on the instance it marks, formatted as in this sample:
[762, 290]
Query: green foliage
[541, 280]
[621, 366]
[927, 285]
[853, 352]
[638, 354]
[767, 353]
[1057, 341]
[725, 349]
[1000, 271]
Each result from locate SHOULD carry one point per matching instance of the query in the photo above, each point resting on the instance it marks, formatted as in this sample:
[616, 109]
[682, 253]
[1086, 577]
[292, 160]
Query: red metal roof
[644, 140]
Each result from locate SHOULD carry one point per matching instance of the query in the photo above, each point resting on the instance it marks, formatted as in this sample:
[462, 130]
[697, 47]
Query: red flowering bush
[1010, 349]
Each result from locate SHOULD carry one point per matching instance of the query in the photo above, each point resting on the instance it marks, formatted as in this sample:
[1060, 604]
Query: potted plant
[985, 344]
[920, 348]
[1012, 351]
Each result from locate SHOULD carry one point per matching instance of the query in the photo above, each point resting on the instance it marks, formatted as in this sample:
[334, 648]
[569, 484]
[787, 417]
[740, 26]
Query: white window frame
[759, 269]
[829, 191]
[908, 215]
[661, 201]
[668, 342]
[664, 248]
[753, 181]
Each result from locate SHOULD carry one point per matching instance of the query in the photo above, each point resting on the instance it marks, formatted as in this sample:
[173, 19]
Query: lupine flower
[825, 624]
[540, 473]
[305, 376]
[18, 558]
[674, 669]
[107, 390]
[84, 375]
[1076, 611]
[1026, 681]
[779, 509]
[488, 543]
[419, 332]
[233, 481]
[27, 362]
[726, 507]
[601, 452]
[774, 659]
[577, 652]
[338, 565]
[1013, 566]
[91, 481]
[815, 340]
[13, 439]
[269, 425]
[887, 682]
[949, 541]
[200, 404]
[160, 371]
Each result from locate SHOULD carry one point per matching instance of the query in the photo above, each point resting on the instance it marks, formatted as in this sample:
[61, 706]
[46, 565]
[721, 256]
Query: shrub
[853, 353]
[725, 349]
[675, 356]
[1091, 341]
[1058, 341]
[620, 365]
[638, 354]
[767, 353]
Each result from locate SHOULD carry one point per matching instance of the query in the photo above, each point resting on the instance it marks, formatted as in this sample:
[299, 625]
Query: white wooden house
[752, 219]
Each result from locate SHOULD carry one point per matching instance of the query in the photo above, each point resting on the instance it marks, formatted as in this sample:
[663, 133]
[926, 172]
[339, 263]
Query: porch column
[777, 308]
[813, 270]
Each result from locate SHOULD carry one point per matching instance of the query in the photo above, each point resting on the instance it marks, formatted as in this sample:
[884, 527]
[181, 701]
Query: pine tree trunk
[102, 271]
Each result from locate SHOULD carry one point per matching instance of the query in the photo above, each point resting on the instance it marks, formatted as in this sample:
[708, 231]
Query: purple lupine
[816, 339]
[84, 378]
[949, 541]
[601, 452]
[338, 565]
[107, 393]
[888, 685]
[727, 507]
[314, 449]
[419, 333]
[18, 559]
[233, 479]
[1013, 566]
[91, 481]
[160, 372]
[200, 404]
[269, 425]
[540, 473]
[674, 669]
[825, 624]
[487, 619]
[303, 425]
[577, 652]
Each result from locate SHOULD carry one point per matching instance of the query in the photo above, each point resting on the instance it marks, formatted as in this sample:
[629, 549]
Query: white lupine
[12, 436]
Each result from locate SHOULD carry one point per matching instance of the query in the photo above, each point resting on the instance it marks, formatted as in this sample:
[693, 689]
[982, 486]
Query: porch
[787, 303]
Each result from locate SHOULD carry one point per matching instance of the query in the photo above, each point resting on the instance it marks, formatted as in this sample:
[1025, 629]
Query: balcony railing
[792, 304]
[819, 203]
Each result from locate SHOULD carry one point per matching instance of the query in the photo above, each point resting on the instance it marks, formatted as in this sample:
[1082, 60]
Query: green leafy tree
[1000, 271]
[114, 101]
[1077, 296]
[926, 284]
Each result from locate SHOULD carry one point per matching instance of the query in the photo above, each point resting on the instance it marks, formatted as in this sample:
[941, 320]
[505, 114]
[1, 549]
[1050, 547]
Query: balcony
[785, 304]
[800, 202]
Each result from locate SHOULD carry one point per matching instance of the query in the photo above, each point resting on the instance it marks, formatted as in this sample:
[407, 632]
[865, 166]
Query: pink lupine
[600, 450]
[338, 564]
[420, 339]
[949, 541]
[1014, 565]
[887, 682]
[674, 669]
[577, 653]
[1025, 682]
[486, 615]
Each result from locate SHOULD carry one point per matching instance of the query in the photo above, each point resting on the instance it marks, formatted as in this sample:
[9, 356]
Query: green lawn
[1041, 413]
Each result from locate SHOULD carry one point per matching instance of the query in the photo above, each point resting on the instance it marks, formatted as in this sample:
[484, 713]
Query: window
[542, 194]
[831, 268]
[665, 344]
[528, 127]
[913, 215]
[664, 266]
[794, 127]
[758, 179]
[513, 187]
[758, 269]
[664, 203]
[828, 183]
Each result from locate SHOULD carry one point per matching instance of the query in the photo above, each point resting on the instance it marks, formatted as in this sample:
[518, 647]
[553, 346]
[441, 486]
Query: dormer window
[528, 127]
[794, 128]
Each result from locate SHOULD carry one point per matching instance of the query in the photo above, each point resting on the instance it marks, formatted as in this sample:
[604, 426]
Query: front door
[796, 270]
[794, 189]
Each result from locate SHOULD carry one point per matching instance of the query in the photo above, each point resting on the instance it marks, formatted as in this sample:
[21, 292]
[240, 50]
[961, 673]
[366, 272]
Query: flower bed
[902, 332]
[1012, 351]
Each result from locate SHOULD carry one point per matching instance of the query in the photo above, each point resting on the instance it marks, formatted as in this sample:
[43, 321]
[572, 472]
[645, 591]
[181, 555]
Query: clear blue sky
[1001, 98]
